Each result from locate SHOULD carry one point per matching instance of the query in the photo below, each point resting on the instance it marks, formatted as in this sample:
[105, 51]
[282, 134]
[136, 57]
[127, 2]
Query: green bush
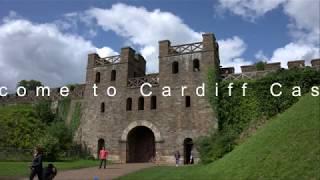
[215, 146]
[20, 126]
[43, 111]
[57, 140]
[235, 113]
[51, 146]
[27, 126]
[260, 65]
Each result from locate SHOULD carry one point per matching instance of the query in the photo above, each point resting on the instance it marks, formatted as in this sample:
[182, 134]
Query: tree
[260, 65]
[30, 85]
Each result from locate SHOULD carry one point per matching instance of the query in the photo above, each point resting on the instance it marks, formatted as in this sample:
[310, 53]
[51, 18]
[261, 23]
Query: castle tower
[136, 128]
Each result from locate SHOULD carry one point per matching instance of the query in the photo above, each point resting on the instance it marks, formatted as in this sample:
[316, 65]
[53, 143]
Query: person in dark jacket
[36, 165]
[49, 172]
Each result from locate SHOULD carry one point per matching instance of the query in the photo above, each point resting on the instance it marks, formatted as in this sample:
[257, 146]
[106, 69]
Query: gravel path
[112, 171]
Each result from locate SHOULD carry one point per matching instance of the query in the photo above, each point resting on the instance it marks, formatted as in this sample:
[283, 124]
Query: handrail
[153, 79]
[107, 60]
[186, 48]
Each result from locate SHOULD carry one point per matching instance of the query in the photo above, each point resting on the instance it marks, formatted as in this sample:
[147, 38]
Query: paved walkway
[112, 171]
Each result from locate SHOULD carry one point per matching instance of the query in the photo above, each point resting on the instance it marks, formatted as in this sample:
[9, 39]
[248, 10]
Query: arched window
[141, 103]
[175, 67]
[188, 101]
[129, 104]
[196, 65]
[153, 104]
[97, 77]
[102, 107]
[113, 75]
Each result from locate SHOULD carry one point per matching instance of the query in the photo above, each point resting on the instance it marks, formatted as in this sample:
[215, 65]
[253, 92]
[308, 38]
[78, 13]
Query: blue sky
[247, 31]
[267, 33]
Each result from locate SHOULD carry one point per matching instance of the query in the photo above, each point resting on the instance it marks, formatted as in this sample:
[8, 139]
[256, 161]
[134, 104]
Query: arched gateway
[140, 145]
[140, 138]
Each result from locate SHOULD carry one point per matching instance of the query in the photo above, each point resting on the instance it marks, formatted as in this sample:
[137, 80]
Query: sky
[50, 40]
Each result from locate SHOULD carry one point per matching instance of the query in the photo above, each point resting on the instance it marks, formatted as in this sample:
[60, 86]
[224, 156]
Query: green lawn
[288, 147]
[22, 169]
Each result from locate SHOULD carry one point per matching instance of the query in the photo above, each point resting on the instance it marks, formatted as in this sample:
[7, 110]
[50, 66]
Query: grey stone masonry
[172, 121]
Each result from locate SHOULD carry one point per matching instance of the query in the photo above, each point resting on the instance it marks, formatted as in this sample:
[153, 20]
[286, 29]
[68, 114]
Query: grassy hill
[288, 147]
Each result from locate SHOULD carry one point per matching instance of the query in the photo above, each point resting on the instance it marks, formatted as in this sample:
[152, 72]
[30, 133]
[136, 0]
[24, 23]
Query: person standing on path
[191, 158]
[177, 157]
[103, 154]
[36, 165]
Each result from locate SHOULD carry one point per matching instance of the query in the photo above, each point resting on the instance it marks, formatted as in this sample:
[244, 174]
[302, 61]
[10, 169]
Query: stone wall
[251, 71]
[171, 122]
[316, 63]
[296, 64]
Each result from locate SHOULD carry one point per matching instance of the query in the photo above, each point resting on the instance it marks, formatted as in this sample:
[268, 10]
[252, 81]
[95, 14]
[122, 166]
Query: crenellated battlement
[208, 43]
[252, 71]
[128, 69]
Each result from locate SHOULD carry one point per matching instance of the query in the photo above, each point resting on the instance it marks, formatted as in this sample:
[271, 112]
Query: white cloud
[75, 22]
[261, 56]
[144, 28]
[305, 20]
[249, 9]
[105, 52]
[304, 26]
[304, 14]
[41, 52]
[45, 52]
[305, 31]
[230, 51]
[295, 51]
[231, 48]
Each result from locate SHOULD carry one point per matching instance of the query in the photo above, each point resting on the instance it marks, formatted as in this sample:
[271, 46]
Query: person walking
[191, 158]
[103, 154]
[36, 165]
[177, 157]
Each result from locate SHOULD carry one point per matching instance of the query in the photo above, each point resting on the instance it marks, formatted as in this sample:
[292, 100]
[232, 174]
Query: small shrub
[260, 65]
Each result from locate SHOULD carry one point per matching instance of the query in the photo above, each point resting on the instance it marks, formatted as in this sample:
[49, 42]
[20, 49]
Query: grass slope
[288, 147]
